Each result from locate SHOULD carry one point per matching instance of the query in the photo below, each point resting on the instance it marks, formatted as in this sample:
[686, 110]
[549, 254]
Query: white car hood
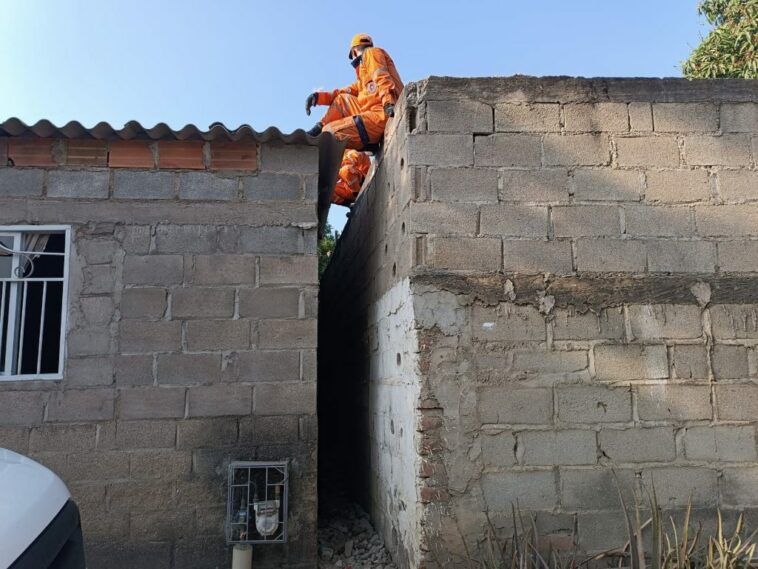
[30, 497]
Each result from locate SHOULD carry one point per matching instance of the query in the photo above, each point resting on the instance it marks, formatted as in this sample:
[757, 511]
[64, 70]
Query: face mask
[357, 61]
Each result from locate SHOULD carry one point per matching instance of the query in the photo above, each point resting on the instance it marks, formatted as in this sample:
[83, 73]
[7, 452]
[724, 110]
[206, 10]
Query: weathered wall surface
[191, 340]
[584, 262]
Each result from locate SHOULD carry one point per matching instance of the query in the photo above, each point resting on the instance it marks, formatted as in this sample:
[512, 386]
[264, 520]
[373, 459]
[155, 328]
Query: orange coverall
[356, 115]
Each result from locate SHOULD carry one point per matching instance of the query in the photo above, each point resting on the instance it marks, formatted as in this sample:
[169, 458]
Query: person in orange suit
[359, 112]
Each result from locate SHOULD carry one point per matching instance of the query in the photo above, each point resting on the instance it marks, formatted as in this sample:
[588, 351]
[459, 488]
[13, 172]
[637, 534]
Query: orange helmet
[359, 39]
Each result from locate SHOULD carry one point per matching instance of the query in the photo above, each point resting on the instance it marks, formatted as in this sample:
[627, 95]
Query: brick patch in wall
[86, 153]
[234, 156]
[130, 154]
[181, 154]
[31, 151]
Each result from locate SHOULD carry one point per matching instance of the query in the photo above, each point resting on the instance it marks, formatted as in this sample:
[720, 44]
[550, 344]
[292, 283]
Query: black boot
[316, 130]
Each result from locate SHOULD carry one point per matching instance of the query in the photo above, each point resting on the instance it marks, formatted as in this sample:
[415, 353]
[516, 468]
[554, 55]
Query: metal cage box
[257, 506]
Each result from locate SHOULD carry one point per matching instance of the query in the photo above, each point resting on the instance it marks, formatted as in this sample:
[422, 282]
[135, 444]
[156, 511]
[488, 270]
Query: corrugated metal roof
[132, 130]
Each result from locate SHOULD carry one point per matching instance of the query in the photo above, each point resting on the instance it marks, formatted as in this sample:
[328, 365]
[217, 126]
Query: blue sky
[254, 62]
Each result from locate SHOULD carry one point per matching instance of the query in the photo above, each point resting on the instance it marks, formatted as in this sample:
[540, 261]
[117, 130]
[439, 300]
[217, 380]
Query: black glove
[389, 110]
[311, 101]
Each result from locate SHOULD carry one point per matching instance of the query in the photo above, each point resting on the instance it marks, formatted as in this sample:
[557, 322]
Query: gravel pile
[346, 540]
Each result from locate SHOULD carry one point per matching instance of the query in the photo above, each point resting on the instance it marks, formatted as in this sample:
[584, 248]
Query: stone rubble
[347, 540]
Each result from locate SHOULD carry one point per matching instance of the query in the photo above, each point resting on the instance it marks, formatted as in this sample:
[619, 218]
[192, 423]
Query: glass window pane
[6, 259]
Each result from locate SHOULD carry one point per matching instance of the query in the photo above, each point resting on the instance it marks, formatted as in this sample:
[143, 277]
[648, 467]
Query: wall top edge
[564, 89]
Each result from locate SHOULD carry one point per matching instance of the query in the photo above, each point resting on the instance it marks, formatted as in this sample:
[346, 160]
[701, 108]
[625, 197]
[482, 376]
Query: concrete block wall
[583, 286]
[191, 341]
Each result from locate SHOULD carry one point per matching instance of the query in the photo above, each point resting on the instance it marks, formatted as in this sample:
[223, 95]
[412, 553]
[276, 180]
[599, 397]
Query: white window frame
[18, 231]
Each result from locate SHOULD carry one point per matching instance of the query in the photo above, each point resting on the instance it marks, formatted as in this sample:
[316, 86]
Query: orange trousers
[353, 170]
[346, 121]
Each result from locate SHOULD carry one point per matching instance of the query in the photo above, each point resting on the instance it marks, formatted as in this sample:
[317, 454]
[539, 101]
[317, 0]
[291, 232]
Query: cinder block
[202, 302]
[463, 115]
[144, 303]
[579, 404]
[610, 255]
[738, 185]
[78, 184]
[512, 406]
[550, 362]
[135, 239]
[681, 256]
[464, 184]
[99, 279]
[534, 490]
[89, 372]
[141, 496]
[309, 368]
[676, 486]
[133, 370]
[647, 151]
[289, 158]
[737, 402]
[213, 433]
[78, 405]
[498, 448]
[21, 183]
[739, 486]
[508, 150]
[145, 434]
[467, 254]
[724, 150]
[218, 335]
[151, 403]
[92, 341]
[269, 430]
[734, 321]
[730, 362]
[727, 220]
[514, 220]
[268, 186]
[537, 256]
[720, 444]
[444, 218]
[641, 116]
[166, 464]
[685, 117]
[15, 439]
[739, 117]
[267, 366]
[22, 407]
[97, 310]
[128, 184]
[219, 400]
[147, 337]
[674, 402]
[549, 185]
[568, 324]
[596, 117]
[665, 321]
[589, 489]
[537, 117]
[73, 438]
[285, 399]
[638, 445]
[287, 333]
[224, 269]
[586, 221]
[577, 150]
[97, 251]
[689, 362]
[289, 270]
[153, 269]
[269, 302]
[738, 256]
[599, 531]
[653, 221]
[508, 323]
[186, 239]
[558, 447]
[441, 149]
[629, 362]
[607, 185]
[206, 186]
[96, 466]
[677, 186]
[276, 240]
[183, 369]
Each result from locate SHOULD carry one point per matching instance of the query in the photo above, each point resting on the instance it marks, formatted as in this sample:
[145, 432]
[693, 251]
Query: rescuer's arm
[388, 91]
